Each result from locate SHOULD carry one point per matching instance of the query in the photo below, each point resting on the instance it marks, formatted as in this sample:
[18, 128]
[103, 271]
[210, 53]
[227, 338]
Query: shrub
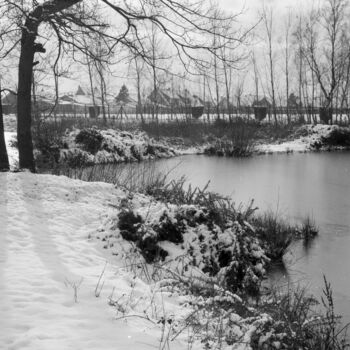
[308, 229]
[90, 139]
[150, 249]
[135, 153]
[170, 230]
[218, 208]
[129, 224]
[337, 137]
[230, 252]
[274, 234]
[49, 142]
[132, 228]
[230, 148]
[150, 150]
[295, 324]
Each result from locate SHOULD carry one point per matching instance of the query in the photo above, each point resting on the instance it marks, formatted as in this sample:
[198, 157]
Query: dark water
[297, 185]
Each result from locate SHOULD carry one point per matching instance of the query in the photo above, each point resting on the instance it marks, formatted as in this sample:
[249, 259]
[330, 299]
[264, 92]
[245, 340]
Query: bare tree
[323, 49]
[287, 54]
[256, 77]
[137, 66]
[239, 92]
[267, 16]
[101, 69]
[89, 63]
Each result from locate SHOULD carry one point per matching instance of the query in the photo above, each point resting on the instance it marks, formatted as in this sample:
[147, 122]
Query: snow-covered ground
[49, 270]
[62, 288]
[12, 151]
[52, 266]
[301, 143]
[117, 146]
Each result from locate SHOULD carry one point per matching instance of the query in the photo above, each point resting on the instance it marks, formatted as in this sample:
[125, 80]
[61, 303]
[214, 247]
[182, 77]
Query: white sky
[253, 6]
[250, 16]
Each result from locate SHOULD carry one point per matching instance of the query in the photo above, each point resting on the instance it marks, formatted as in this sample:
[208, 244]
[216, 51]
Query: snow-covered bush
[230, 148]
[114, 146]
[90, 139]
[170, 229]
[217, 209]
[229, 251]
[337, 137]
[129, 224]
[75, 158]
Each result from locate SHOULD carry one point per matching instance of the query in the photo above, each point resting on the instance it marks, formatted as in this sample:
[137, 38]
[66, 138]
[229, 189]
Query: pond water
[295, 185]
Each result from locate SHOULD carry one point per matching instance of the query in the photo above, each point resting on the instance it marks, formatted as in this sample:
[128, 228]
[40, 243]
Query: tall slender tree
[268, 20]
[323, 48]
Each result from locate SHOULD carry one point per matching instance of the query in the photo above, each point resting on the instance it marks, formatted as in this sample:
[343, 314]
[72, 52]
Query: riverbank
[65, 247]
[57, 145]
[309, 138]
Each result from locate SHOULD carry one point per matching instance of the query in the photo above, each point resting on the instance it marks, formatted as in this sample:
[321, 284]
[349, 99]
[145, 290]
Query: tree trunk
[25, 72]
[24, 118]
[4, 160]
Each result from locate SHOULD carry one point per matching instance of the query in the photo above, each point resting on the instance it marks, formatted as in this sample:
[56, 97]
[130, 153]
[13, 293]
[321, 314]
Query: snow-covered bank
[93, 146]
[120, 146]
[308, 138]
[115, 146]
[71, 279]
[49, 270]
[62, 289]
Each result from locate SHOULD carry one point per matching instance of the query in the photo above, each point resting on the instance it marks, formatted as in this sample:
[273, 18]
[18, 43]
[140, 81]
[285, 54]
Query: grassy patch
[274, 233]
[143, 178]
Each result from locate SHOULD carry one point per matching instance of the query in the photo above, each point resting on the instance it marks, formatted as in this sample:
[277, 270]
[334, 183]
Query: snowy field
[49, 270]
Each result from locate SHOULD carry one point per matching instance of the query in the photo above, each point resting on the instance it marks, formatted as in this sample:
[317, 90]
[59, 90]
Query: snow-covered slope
[46, 254]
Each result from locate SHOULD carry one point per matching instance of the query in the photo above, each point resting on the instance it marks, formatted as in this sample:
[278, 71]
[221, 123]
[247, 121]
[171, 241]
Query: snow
[301, 144]
[45, 253]
[10, 122]
[116, 146]
[12, 151]
[64, 286]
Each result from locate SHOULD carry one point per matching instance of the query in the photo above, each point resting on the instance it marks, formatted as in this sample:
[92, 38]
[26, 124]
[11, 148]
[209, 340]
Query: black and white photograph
[174, 174]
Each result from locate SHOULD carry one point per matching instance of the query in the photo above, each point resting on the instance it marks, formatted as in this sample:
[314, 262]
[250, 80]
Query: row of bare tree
[299, 58]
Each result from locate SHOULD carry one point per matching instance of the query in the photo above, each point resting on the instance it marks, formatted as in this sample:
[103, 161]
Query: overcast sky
[252, 7]
[250, 16]
[257, 4]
